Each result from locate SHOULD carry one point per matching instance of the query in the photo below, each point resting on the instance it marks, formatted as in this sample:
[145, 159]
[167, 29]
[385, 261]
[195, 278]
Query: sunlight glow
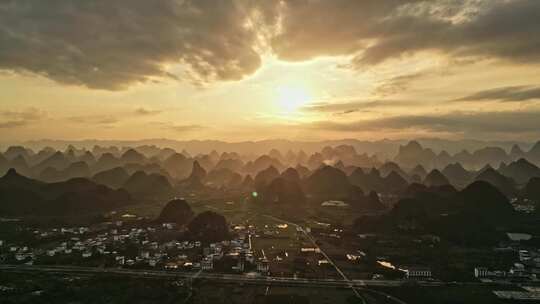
[292, 97]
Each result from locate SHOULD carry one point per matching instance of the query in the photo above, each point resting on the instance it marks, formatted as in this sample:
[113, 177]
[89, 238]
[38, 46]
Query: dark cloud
[104, 120]
[454, 122]
[146, 112]
[112, 44]
[375, 31]
[26, 115]
[12, 124]
[311, 28]
[13, 119]
[182, 128]
[354, 106]
[110, 119]
[508, 94]
[398, 84]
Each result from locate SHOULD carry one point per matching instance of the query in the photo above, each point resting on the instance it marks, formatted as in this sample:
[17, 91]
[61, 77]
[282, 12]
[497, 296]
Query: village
[266, 250]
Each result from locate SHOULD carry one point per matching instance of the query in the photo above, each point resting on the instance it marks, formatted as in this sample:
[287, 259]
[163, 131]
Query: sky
[239, 70]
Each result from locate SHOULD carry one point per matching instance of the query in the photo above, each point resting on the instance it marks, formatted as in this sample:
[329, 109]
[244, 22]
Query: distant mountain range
[413, 153]
[471, 216]
[291, 177]
[20, 195]
[384, 149]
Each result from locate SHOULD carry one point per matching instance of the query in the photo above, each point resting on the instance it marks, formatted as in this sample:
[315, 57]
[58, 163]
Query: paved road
[231, 278]
[240, 278]
[313, 241]
[359, 285]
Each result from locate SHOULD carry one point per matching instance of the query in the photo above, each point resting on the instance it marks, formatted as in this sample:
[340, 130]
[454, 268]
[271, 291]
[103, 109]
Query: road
[359, 285]
[355, 285]
[313, 241]
[236, 278]
[227, 278]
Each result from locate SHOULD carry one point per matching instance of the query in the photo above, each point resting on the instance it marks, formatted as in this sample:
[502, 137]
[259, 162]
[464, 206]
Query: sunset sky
[247, 70]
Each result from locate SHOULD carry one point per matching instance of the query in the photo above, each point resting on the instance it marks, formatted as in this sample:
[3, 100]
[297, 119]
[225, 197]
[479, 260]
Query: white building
[120, 260]
[417, 272]
[263, 265]
[483, 272]
[207, 264]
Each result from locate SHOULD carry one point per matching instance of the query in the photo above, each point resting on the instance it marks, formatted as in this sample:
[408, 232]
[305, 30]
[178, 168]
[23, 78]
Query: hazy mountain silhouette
[222, 178]
[457, 175]
[470, 216]
[23, 196]
[516, 152]
[413, 154]
[106, 161]
[262, 163]
[248, 183]
[197, 177]
[436, 178]
[483, 199]
[291, 175]
[114, 178]
[521, 171]
[328, 182]
[419, 171]
[534, 153]
[176, 211]
[14, 151]
[234, 165]
[209, 227]
[283, 192]
[265, 177]
[371, 181]
[389, 167]
[178, 166]
[394, 183]
[20, 164]
[4, 164]
[505, 184]
[141, 184]
[132, 156]
[532, 191]
[57, 161]
[228, 169]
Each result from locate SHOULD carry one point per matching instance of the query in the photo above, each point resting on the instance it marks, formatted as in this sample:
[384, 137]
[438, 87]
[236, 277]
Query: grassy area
[447, 294]
[44, 288]
[215, 293]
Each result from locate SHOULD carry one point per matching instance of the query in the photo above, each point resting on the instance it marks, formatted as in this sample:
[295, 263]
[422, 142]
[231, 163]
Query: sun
[291, 98]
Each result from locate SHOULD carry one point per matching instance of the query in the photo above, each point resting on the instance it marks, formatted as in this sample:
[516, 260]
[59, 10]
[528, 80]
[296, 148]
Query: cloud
[112, 119]
[29, 114]
[14, 119]
[507, 94]
[146, 112]
[12, 124]
[354, 106]
[104, 120]
[398, 83]
[186, 128]
[453, 122]
[375, 31]
[111, 45]
[312, 28]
